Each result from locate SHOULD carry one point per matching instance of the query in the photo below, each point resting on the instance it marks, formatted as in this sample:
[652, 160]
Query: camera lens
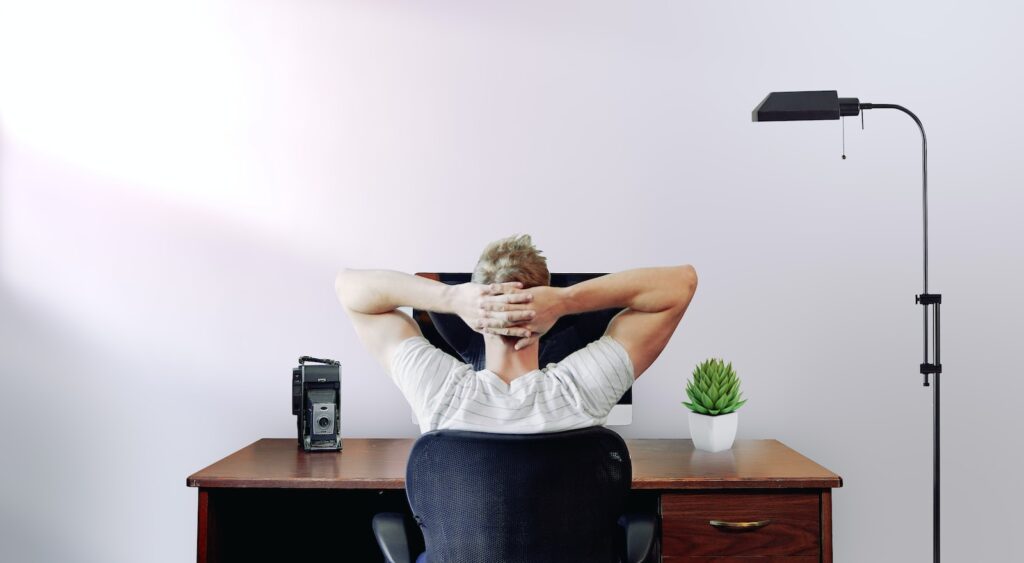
[324, 422]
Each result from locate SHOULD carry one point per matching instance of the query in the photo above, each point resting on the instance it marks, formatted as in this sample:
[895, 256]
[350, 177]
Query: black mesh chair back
[536, 498]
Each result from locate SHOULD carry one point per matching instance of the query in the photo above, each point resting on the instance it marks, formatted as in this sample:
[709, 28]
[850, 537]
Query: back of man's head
[512, 259]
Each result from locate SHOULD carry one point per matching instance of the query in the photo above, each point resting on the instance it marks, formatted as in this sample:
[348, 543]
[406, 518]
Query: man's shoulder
[416, 352]
[412, 341]
[604, 359]
[601, 347]
[425, 373]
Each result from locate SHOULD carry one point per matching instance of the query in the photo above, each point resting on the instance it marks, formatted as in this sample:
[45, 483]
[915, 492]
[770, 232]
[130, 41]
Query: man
[510, 302]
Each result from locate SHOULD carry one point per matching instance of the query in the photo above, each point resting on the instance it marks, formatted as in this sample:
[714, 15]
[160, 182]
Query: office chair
[519, 498]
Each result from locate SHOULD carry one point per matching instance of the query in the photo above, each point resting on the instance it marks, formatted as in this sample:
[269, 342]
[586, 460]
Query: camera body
[316, 402]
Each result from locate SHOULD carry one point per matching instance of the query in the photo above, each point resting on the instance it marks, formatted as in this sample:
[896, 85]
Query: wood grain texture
[794, 528]
[380, 464]
[279, 463]
[826, 526]
[750, 464]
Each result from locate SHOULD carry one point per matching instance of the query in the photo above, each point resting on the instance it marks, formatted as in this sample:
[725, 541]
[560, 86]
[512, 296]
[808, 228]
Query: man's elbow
[690, 273]
[341, 285]
[687, 285]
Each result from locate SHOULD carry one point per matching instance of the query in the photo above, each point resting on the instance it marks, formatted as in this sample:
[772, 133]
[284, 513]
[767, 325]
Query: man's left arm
[372, 299]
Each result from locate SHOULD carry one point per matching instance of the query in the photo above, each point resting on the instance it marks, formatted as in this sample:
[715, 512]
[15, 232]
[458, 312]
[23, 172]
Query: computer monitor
[570, 333]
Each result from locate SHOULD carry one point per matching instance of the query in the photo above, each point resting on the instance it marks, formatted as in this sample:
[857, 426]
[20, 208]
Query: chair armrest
[640, 532]
[389, 529]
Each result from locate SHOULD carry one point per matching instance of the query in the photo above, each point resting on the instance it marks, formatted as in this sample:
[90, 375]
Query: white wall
[179, 181]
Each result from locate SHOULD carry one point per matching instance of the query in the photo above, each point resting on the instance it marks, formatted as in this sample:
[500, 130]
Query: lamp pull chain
[843, 121]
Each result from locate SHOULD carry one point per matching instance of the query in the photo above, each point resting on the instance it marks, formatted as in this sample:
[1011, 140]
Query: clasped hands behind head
[506, 309]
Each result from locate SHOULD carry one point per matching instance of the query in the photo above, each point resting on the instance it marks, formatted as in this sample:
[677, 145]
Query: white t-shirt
[578, 392]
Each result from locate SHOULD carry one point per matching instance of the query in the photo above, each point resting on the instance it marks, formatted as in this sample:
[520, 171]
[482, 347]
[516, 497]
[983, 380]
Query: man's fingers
[505, 302]
[499, 288]
[518, 297]
[509, 331]
[526, 336]
[519, 316]
[526, 341]
[502, 319]
[498, 307]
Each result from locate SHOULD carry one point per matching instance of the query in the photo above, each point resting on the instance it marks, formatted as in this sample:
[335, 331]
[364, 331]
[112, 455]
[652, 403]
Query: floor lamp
[817, 105]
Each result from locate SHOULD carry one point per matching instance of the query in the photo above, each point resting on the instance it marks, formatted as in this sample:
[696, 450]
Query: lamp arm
[924, 173]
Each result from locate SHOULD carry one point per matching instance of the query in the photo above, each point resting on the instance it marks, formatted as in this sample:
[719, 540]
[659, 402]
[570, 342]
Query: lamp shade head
[805, 106]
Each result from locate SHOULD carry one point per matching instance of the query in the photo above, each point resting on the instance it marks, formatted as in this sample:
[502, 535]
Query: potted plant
[714, 394]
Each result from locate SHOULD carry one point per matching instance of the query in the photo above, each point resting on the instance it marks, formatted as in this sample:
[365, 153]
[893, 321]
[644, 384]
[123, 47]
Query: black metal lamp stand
[803, 106]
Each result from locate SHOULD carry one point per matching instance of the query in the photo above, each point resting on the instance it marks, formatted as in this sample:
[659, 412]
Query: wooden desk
[272, 501]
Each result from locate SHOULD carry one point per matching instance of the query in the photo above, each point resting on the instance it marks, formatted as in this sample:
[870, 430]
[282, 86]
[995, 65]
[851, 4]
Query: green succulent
[714, 389]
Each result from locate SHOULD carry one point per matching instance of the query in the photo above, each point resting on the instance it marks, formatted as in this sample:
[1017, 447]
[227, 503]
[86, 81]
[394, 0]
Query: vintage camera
[316, 399]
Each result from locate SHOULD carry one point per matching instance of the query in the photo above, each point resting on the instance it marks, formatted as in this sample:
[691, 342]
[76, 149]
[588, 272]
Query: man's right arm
[654, 299]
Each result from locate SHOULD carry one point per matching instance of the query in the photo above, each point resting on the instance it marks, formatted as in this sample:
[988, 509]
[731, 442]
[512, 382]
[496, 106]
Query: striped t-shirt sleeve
[601, 372]
[422, 371]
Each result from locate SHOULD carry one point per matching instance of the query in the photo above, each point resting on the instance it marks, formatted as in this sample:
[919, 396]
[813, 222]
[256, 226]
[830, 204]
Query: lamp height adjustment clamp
[928, 299]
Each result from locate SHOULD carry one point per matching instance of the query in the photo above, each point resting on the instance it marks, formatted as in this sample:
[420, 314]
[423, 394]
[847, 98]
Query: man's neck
[506, 362]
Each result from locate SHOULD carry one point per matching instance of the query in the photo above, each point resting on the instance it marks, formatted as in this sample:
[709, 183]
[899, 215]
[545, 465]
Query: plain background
[179, 182]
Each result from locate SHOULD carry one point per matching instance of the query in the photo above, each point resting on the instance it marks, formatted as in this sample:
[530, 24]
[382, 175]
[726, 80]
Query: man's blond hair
[512, 259]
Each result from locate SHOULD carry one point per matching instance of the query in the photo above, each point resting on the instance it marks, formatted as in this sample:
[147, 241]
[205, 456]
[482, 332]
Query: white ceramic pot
[713, 433]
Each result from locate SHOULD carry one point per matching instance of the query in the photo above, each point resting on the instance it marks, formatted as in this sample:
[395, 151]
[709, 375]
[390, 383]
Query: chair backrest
[519, 498]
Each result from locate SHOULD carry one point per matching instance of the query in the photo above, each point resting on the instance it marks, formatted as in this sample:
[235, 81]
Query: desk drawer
[793, 528]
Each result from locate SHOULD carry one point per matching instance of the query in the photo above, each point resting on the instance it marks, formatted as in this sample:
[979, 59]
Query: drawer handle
[739, 525]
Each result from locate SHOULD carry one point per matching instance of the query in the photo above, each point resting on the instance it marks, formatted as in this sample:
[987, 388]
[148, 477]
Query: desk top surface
[379, 463]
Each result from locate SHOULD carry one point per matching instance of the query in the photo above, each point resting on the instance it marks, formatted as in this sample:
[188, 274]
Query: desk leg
[206, 550]
[826, 526]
